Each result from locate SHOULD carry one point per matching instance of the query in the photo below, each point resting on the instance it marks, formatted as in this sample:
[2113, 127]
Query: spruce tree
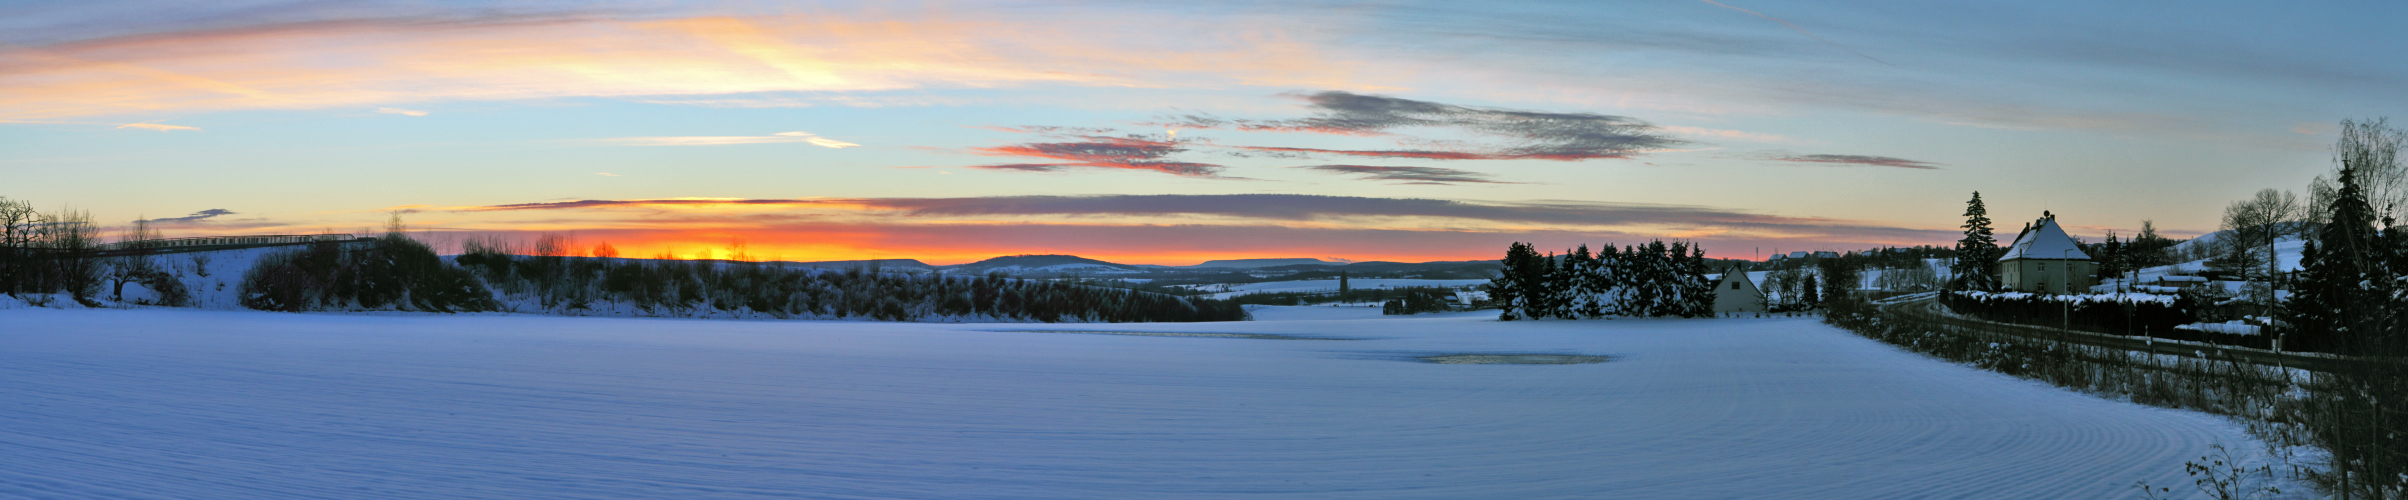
[1611, 281]
[1579, 270]
[2333, 302]
[1697, 292]
[1512, 278]
[1977, 252]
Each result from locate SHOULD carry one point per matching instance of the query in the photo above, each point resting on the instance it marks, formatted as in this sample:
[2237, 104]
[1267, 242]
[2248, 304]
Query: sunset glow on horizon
[1174, 134]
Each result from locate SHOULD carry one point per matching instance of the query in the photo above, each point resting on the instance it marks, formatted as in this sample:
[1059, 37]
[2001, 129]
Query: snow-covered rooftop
[2045, 241]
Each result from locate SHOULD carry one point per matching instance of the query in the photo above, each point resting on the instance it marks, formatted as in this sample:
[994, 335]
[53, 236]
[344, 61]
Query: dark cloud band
[1874, 161]
[1411, 175]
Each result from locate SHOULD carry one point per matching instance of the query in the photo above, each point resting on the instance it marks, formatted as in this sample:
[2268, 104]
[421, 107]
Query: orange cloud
[367, 63]
[156, 126]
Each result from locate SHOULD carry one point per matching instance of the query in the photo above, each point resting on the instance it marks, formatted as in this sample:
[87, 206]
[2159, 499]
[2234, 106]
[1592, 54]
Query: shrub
[389, 273]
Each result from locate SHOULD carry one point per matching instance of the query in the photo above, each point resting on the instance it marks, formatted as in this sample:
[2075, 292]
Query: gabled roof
[2044, 241]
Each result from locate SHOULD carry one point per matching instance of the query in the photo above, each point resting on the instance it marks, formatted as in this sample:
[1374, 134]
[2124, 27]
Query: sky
[1178, 132]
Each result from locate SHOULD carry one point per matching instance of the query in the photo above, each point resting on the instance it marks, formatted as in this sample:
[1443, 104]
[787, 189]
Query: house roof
[2044, 241]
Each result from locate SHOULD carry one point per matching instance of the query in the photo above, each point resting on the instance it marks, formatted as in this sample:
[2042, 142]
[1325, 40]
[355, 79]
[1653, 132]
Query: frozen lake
[228, 404]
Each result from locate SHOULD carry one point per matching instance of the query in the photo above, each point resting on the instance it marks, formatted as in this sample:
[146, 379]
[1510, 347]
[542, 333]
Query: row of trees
[393, 272]
[46, 253]
[554, 282]
[1649, 280]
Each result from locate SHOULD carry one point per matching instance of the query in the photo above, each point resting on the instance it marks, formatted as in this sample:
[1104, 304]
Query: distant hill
[1257, 263]
[849, 264]
[1026, 264]
[1382, 266]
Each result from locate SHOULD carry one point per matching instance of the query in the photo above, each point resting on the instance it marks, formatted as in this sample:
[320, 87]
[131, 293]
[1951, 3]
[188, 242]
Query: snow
[2079, 298]
[169, 403]
[2044, 242]
[2231, 327]
[2287, 252]
[1329, 285]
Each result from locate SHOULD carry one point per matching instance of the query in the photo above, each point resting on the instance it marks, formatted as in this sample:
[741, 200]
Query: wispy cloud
[1874, 161]
[365, 62]
[1410, 175]
[654, 202]
[162, 127]
[195, 217]
[400, 111]
[1518, 135]
[819, 141]
[1567, 136]
[1729, 134]
[1121, 153]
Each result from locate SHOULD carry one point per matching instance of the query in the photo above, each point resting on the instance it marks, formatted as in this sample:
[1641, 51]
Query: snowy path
[210, 404]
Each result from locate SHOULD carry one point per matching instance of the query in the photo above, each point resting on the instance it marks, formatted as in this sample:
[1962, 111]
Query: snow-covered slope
[2286, 255]
[1257, 263]
[1327, 285]
[227, 404]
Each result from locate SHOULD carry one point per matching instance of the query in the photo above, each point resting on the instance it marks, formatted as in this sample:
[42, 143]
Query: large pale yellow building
[2044, 260]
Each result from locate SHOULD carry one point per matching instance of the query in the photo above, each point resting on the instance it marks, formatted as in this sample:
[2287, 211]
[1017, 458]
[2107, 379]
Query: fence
[202, 241]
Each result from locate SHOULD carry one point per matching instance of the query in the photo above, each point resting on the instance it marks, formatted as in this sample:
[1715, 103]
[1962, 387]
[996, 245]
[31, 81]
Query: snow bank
[2162, 299]
[2229, 327]
[164, 403]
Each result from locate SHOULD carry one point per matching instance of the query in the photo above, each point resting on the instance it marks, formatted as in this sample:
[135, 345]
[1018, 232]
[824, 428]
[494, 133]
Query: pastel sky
[1177, 132]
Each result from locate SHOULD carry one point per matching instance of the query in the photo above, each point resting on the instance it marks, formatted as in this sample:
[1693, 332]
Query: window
[2044, 267]
[1734, 285]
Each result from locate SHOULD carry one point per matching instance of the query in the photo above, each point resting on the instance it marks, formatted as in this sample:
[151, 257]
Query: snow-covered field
[1328, 285]
[233, 404]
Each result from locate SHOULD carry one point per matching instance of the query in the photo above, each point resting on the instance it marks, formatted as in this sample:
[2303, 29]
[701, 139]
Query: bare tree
[2373, 148]
[2322, 192]
[18, 225]
[134, 262]
[2252, 227]
[1918, 277]
[66, 243]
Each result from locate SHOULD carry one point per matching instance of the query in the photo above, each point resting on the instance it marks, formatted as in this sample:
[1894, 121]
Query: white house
[2045, 260]
[1735, 293]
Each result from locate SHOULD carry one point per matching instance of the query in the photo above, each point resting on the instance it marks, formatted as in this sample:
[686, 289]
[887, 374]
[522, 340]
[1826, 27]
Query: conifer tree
[1578, 282]
[1977, 252]
[1611, 281]
[2332, 302]
[1522, 274]
[1697, 292]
